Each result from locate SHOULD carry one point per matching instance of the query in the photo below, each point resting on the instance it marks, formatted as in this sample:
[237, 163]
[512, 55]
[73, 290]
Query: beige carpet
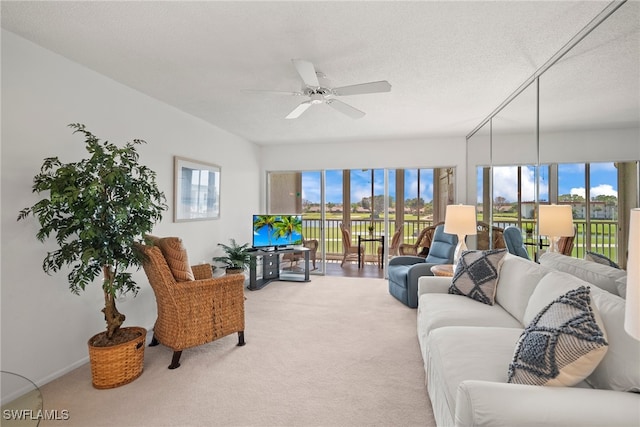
[332, 352]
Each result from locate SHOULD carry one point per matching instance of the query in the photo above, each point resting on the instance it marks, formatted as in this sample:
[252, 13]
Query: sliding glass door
[361, 200]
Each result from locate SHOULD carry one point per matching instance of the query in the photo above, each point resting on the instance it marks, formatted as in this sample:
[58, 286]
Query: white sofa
[467, 347]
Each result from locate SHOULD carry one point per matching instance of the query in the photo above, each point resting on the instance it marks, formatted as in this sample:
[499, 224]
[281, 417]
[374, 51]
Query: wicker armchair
[497, 238]
[565, 243]
[423, 242]
[193, 312]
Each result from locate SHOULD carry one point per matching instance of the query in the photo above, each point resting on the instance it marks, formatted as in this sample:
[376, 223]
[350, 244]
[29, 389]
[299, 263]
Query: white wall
[44, 327]
[390, 154]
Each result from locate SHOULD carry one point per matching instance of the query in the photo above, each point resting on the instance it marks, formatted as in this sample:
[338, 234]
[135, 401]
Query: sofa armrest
[433, 285]
[405, 260]
[483, 403]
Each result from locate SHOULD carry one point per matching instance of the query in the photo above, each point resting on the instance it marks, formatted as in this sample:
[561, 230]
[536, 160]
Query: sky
[361, 184]
[571, 180]
[570, 177]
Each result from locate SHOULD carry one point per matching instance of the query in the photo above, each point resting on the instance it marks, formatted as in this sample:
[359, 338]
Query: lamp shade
[460, 220]
[632, 309]
[556, 220]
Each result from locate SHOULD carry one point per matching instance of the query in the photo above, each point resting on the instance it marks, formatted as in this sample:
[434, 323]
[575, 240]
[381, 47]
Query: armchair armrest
[416, 272]
[405, 260]
[202, 271]
[201, 295]
[485, 404]
[198, 311]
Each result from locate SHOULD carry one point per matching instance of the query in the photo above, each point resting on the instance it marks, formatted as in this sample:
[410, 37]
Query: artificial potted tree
[97, 208]
[237, 257]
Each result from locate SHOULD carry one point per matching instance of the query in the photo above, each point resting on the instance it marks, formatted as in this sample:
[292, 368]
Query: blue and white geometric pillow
[476, 275]
[562, 345]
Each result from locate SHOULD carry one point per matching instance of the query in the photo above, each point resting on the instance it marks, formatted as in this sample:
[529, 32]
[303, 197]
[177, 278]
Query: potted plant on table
[97, 208]
[237, 257]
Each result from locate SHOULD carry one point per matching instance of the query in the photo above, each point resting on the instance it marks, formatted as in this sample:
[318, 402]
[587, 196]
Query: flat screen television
[277, 230]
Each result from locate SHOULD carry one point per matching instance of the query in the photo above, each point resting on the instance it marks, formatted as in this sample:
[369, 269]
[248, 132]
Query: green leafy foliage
[237, 256]
[96, 209]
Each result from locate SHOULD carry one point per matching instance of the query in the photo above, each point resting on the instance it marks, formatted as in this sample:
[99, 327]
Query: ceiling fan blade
[307, 72]
[273, 92]
[372, 87]
[345, 108]
[299, 110]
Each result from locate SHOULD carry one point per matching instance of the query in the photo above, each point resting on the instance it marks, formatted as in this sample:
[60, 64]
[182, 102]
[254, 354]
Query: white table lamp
[632, 308]
[461, 221]
[555, 221]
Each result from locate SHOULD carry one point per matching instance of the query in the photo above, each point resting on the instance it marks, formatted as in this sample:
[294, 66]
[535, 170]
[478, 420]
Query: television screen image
[277, 230]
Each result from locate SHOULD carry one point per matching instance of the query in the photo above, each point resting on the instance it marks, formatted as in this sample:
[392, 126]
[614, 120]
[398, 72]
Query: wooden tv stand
[271, 267]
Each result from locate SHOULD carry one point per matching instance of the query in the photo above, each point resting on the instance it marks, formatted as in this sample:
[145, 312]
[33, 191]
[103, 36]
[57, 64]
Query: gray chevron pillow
[476, 275]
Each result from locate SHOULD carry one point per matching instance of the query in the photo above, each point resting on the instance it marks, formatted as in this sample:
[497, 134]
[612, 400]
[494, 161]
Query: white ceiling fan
[318, 88]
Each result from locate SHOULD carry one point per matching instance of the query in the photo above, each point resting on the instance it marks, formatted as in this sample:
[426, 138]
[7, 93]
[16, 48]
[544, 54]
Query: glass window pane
[603, 208]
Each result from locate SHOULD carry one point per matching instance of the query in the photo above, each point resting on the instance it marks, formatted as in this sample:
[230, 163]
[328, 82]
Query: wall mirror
[196, 190]
[580, 117]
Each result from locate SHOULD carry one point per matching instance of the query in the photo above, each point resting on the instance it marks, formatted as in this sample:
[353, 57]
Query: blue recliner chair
[513, 240]
[404, 271]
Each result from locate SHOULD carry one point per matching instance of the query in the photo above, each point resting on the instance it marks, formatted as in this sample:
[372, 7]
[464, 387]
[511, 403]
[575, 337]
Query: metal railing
[333, 236]
[602, 235]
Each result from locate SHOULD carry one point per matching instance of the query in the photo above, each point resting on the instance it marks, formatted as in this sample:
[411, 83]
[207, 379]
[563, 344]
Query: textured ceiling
[450, 63]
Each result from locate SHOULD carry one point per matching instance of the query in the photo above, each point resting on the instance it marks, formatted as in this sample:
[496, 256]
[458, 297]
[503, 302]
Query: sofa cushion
[459, 353]
[600, 275]
[476, 275]
[619, 369]
[562, 345]
[600, 259]
[518, 279]
[440, 310]
[176, 256]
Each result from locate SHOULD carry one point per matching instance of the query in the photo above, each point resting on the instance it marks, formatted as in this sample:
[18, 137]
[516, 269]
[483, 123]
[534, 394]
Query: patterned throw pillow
[176, 256]
[562, 345]
[600, 259]
[476, 275]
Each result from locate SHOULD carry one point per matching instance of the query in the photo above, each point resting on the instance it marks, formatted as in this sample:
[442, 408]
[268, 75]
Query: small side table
[443, 270]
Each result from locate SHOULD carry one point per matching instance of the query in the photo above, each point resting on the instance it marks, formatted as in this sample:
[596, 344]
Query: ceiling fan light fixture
[316, 98]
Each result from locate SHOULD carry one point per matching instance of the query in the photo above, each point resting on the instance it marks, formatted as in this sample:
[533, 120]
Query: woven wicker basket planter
[119, 364]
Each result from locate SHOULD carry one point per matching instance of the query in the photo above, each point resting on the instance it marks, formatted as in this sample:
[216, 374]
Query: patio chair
[497, 238]
[423, 242]
[350, 252]
[565, 243]
[393, 246]
[295, 257]
[191, 311]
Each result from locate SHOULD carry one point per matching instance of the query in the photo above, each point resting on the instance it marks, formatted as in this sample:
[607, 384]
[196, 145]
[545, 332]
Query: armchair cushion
[176, 256]
[476, 275]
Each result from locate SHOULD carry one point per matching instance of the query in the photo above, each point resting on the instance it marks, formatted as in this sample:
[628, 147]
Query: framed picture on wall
[196, 190]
